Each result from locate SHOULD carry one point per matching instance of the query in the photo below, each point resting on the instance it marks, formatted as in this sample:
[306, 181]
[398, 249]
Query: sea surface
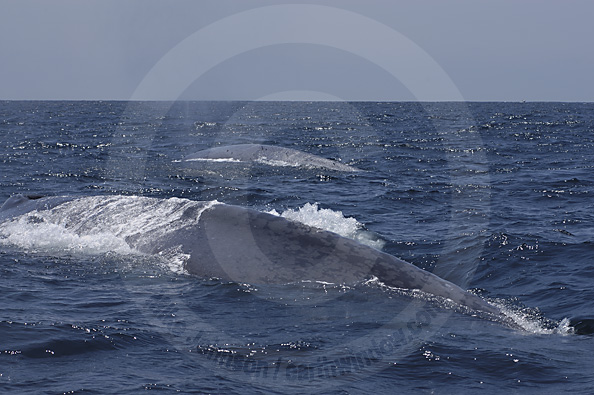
[495, 197]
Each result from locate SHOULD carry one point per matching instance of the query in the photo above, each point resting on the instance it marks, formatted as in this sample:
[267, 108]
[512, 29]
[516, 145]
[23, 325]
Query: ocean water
[495, 197]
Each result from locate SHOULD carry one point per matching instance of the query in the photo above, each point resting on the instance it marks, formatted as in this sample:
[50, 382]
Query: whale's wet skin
[268, 154]
[215, 240]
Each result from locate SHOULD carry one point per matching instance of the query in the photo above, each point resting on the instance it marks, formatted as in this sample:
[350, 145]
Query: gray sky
[499, 50]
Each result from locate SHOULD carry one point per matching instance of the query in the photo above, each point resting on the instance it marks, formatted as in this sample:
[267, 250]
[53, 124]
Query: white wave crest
[333, 221]
[532, 321]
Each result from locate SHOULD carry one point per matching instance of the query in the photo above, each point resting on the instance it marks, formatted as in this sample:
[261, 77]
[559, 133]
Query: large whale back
[268, 154]
[236, 243]
[263, 248]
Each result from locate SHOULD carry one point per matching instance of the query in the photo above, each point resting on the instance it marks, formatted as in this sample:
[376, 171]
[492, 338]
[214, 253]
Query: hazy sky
[499, 50]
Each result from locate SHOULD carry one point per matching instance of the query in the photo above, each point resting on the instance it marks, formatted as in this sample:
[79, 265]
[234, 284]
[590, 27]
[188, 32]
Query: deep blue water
[495, 197]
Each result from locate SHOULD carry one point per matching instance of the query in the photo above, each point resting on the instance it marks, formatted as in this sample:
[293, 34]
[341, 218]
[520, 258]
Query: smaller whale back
[15, 200]
[269, 154]
[21, 204]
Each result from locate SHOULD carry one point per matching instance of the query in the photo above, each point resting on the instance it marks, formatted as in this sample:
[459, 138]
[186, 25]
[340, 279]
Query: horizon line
[298, 101]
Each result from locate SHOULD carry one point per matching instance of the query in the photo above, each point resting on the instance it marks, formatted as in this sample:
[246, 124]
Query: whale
[268, 154]
[232, 243]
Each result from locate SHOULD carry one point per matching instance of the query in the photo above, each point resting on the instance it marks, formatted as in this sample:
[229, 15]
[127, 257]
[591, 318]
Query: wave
[333, 221]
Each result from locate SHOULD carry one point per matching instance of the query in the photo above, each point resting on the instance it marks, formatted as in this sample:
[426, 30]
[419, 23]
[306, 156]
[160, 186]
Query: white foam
[333, 221]
[50, 237]
[531, 321]
[231, 160]
[278, 163]
[103, 224]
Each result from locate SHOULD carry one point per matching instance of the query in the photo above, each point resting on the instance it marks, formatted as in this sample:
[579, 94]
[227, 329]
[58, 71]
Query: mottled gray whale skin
[272, 249]
[242, 245]
[269, 154]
